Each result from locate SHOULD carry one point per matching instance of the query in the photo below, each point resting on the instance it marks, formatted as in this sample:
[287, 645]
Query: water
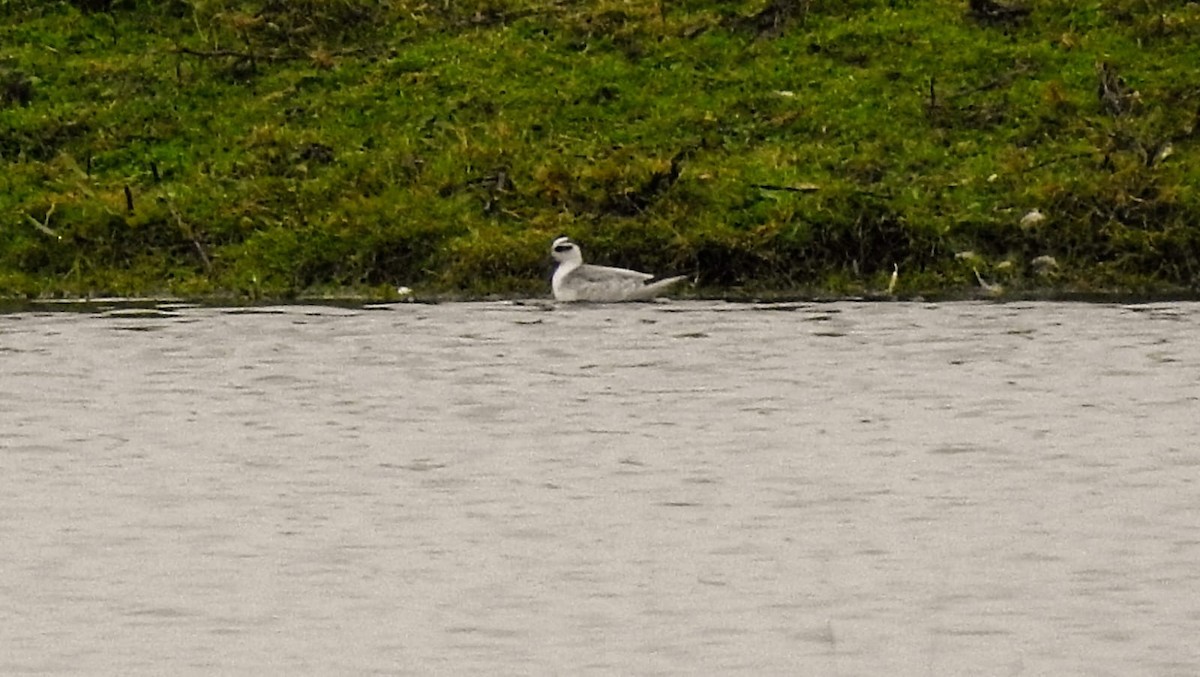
[677, 489]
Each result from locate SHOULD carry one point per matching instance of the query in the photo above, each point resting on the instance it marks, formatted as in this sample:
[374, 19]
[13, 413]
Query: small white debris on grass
[1032, 218]
[404, 291]
[895, 277]
[1044, 264]
[1163, 153]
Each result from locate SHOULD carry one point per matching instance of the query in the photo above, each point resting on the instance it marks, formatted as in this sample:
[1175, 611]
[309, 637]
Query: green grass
[275, 149]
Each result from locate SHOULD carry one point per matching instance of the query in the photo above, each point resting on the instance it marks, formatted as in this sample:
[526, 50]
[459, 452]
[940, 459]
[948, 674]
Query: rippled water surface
[675, 489]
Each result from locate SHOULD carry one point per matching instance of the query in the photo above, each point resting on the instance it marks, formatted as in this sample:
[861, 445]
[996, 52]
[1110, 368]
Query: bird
[575, 280]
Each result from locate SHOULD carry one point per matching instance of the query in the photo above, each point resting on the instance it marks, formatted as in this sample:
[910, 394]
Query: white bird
[575, 280]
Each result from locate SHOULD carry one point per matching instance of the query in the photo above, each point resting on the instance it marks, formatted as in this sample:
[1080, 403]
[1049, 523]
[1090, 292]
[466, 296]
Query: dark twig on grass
[1056, 160]
[1003, 80]
[496, 186]
[252, 57]
[16, 88]
[992, 12]
[773, 18]
[636, 201]
[661, 181]
[950, 106]
[1113, 92]
[1155, 154]
[801, 188]
[190, 233]
[932, 109]
[129, 199]
[218, 53]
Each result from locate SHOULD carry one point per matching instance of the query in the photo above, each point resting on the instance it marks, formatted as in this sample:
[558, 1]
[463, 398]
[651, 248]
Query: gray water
[665, 489]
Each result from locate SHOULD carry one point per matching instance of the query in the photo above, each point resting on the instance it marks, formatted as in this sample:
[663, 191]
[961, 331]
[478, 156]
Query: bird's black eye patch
[564, 247]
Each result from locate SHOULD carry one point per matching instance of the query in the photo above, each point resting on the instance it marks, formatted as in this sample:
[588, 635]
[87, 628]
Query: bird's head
[564, 250]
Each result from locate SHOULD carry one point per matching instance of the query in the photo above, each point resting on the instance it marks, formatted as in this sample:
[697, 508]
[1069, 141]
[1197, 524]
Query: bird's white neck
[560, 275]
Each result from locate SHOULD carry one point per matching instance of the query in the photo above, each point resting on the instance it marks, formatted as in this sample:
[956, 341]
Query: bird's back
[605, 284]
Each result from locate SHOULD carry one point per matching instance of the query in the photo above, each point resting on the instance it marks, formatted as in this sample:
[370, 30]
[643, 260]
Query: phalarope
[575, 280]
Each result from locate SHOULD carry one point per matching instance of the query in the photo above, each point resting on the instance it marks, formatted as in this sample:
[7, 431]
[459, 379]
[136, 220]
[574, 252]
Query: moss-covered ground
[271, 148]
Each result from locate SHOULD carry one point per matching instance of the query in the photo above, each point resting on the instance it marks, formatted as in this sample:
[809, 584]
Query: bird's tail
[656, 287]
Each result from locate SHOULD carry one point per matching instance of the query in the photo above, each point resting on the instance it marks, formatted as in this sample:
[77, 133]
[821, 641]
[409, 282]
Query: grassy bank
[265, 148]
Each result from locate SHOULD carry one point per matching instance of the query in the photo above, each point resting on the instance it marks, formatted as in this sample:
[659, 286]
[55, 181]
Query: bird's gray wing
[600, 274]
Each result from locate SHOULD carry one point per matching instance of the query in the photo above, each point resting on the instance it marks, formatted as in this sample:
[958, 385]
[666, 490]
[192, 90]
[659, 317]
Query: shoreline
[219, 150]
[11, 305]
